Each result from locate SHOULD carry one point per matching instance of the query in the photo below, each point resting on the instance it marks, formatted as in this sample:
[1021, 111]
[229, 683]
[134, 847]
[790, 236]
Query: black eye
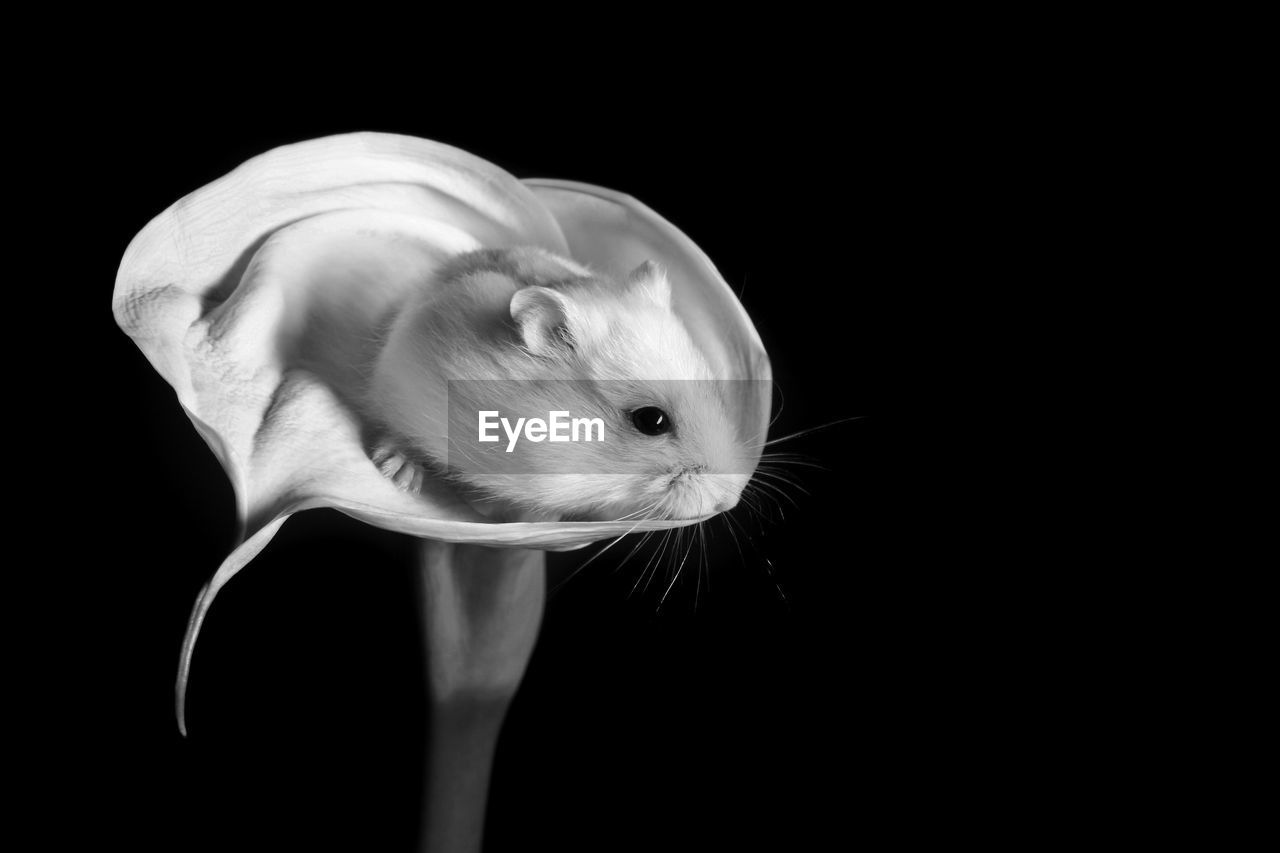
[651, 420]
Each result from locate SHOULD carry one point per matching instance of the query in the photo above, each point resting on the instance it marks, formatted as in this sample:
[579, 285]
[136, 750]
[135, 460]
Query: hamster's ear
[542, 317]
[650, 280]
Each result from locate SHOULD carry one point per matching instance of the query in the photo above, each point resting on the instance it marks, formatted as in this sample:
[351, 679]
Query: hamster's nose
[726, 504]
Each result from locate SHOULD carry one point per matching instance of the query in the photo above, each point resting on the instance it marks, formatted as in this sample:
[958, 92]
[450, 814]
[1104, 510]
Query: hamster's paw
[398, 468]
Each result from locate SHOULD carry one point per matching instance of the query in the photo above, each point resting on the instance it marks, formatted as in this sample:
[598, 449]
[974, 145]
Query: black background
[847, 672]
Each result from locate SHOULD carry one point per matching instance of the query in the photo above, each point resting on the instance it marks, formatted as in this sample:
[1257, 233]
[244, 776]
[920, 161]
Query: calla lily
[257, 296]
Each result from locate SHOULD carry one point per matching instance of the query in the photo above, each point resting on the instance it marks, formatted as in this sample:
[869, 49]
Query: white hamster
[524, 315]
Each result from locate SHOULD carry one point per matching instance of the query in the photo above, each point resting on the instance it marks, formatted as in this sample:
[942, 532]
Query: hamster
[526, 315]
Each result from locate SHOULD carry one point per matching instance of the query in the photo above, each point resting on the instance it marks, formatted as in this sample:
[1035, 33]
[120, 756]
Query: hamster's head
[616, 353]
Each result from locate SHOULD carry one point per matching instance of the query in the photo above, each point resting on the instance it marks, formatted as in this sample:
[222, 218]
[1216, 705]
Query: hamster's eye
[651, 420]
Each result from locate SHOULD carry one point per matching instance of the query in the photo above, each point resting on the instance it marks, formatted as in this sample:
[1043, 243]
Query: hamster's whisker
[668, 557]
[639, 544]
[736, 528]
[768, 564]
[676, 575]
[753, 511]
[768, 567]
[791, 459]
[742, 528]
[777, 470]
[774, 441]
[769, 496]
[597, 554]
[780, 480]
[670, 564]
[748, 498]
[661, 541]
[776, 491]
[733, 535]
[704, 564]
[644, 509]
[592, 559]
[786, 468]
[653, 561]
[764, 500]
[700, 537]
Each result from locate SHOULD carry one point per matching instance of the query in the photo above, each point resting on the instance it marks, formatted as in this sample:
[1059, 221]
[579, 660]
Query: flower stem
[481, 609]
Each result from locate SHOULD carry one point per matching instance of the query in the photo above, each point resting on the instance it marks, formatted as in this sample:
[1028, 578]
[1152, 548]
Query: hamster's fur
[525, 314]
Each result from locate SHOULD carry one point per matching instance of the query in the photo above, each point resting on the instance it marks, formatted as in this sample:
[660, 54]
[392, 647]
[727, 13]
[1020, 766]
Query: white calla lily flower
[257, 296]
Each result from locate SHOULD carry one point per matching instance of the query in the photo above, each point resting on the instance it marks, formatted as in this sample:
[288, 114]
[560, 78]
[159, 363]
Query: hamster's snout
[726, 504]
[694, 492]
[728, 491]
